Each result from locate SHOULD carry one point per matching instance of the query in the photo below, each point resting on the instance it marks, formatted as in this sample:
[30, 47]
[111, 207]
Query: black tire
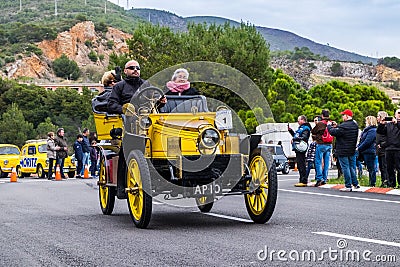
[204, 204]
[40, 171]
[20, 174]
[71, 174]
[3, 174]
[106, 193]
[261, 203]
[286, 168]
[138, 179]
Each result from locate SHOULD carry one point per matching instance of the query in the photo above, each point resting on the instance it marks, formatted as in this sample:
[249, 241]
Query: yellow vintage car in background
[33, 159]
[9, 158]
[181, 151]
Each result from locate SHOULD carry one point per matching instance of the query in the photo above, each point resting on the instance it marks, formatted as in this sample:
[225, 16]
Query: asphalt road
[48, 223]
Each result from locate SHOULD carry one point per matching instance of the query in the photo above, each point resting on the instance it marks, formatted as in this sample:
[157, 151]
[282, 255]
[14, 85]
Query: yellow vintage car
[9, 158]
[33, 159]
[178, 152]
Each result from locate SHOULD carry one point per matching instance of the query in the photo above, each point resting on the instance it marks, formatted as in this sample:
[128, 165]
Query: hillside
[278, 40]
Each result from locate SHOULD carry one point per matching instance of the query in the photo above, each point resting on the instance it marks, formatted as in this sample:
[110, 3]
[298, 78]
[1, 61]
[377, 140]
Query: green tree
[14, 129]
[65, 68]
[44, 127]
[337, 69]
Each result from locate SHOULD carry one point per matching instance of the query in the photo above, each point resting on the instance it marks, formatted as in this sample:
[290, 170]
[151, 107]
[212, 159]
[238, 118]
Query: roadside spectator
[93, 136]
[93, 158]
[391, 129]
[62, 152]
[346, 140]
[380, 150]
[302, 134]
[311, 157]
[79, 155]
[367, 147]
[323, 150]
[359, 166]
[51, 154]
[85, 149]
[123, 91]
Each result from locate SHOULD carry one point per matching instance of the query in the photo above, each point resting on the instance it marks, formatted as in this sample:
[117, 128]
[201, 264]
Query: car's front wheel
[260, 204]
[138, 188]
[3, 174]
[205, 203]
[286, 168]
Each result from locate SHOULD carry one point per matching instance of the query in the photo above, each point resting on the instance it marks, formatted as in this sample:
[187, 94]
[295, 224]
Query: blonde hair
[371, 121]
[382, 114]
[108, 77]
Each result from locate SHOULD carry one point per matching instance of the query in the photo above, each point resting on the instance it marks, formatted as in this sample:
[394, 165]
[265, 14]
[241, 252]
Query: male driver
[323, 149]
[346, 140]
[123, 91]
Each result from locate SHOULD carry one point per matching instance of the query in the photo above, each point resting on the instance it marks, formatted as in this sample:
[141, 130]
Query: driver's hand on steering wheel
[128, 109]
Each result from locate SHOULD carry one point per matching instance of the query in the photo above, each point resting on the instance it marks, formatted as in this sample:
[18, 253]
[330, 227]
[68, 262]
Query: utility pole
[55, 8]
[20, 5]
[105, 7]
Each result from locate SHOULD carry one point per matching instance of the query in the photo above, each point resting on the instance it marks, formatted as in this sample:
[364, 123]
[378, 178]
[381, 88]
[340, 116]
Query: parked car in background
[9, 158]
[33, 159]
[280, 159]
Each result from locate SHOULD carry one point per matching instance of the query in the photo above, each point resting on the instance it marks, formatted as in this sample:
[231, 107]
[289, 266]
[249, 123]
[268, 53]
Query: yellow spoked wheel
[40, 171]
[106, 193]
[138, 189]
[260, 203]
[205, 203]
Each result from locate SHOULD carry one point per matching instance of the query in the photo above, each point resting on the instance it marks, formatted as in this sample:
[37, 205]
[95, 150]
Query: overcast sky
[366, 27]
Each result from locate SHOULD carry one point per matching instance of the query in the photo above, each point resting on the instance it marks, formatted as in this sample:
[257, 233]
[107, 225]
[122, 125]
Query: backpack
[326, 136]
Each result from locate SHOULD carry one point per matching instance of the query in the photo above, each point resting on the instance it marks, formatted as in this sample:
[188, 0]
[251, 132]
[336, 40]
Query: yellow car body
[180, 150]
[9, 158]
[33, 159]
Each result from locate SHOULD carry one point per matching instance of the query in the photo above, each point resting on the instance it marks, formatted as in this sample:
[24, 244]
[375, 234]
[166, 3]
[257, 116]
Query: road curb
[367, 189]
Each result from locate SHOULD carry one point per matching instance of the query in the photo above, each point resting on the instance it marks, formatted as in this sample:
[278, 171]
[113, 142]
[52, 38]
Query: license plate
[208, 189]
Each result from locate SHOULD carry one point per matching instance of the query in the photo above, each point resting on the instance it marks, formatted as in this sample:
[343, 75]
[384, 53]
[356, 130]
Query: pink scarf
[178, 87]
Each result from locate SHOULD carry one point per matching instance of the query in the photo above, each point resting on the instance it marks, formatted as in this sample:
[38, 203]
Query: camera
[388, 118]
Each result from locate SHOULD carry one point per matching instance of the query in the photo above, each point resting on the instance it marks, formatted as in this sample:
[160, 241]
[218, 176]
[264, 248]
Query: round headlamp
[209, 138]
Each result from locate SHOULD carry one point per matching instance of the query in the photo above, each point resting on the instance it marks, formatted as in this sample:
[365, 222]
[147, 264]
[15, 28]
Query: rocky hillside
[76, 43]
[309, 73]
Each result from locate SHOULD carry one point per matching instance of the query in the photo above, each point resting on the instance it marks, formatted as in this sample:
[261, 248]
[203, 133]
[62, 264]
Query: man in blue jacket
[78, 154]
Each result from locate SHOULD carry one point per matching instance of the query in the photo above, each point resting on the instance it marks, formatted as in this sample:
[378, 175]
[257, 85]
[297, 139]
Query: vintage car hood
[191, 125]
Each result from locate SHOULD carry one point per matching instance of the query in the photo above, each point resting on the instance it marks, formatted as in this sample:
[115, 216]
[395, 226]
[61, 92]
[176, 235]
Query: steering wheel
[147, 97]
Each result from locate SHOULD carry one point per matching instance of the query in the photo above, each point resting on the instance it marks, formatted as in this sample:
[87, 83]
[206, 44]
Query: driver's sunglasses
[133, 68]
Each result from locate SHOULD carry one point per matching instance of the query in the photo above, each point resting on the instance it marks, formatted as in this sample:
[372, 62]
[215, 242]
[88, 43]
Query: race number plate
[213, 188]
[223, 119]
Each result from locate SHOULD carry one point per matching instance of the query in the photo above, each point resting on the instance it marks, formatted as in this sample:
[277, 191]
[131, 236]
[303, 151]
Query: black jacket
[380, 143]
[346, 135]
[122, 93]
[392, 132]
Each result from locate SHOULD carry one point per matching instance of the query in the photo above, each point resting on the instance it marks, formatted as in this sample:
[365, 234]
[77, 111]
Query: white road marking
[340, 196]
[228, 217]
[285, 180]
[376, 241]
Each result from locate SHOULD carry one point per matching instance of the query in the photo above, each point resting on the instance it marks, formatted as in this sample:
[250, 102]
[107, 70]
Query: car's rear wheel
[205, 203]
[138, 189]
[286, 168]
[260, 204]
[40, 172]
[106, 193]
